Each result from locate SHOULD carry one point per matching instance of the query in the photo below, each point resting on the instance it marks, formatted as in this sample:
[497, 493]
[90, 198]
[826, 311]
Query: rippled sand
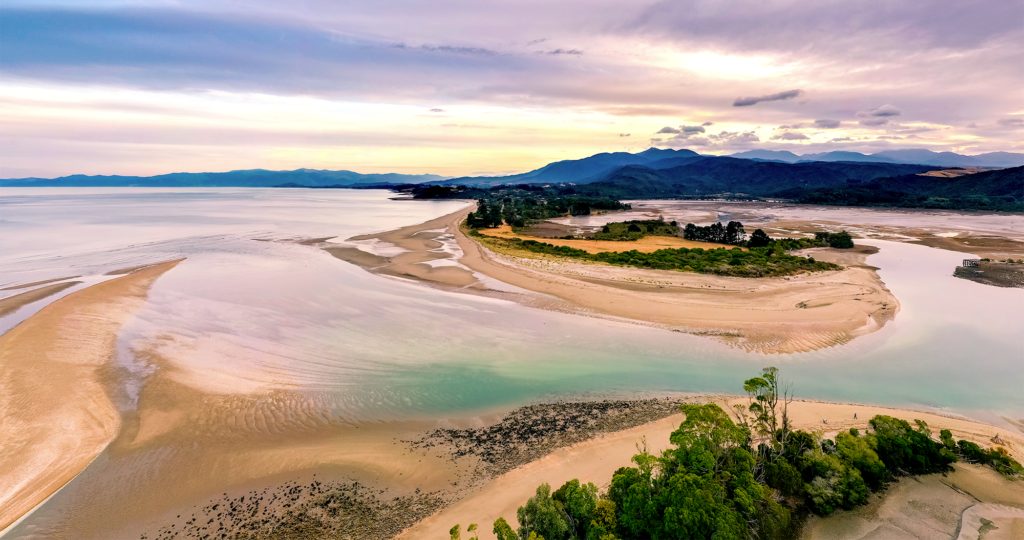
[55, 372]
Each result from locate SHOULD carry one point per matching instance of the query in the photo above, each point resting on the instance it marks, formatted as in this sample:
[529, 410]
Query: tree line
[733, 233]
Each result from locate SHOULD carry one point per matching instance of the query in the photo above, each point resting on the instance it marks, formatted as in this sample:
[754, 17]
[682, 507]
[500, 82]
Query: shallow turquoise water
[245, 315]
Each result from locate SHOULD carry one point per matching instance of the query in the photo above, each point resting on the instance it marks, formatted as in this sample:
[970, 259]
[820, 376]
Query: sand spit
[597, 458]
[57, 416]
[422, 243]
[769, 315]
[12, 303]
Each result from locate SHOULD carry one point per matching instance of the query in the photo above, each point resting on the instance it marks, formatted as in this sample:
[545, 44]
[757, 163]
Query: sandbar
[54, 402]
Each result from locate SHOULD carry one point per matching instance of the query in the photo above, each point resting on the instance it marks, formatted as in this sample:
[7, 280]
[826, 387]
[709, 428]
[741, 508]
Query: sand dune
[54, 377]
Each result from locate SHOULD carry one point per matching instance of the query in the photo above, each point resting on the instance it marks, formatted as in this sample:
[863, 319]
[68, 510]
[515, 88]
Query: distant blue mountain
[917, 156]
[582, 171]
[244, 178]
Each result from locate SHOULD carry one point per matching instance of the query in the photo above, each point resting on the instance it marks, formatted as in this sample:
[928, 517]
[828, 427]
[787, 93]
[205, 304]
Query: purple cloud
[780, 96]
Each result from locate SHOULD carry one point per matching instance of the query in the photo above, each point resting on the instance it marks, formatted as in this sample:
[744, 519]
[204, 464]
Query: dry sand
[770, 315]
[54, 402]
[597, 459]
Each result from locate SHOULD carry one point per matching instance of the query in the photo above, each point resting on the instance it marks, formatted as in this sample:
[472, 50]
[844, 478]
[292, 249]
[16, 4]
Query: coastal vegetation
[748, 474]
[765, 261]
[636, 229]
[521, 206]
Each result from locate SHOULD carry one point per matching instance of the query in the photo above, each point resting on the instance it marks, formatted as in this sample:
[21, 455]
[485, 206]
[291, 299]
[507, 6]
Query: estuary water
[250, 310]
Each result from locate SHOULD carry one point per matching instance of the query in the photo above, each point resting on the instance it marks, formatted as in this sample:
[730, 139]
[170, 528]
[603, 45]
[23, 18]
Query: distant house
[971, 263]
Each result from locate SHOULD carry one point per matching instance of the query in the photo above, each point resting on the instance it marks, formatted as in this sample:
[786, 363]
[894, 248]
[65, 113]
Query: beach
[264, 387]
[56, 374]
[768, 315]
[597, 459]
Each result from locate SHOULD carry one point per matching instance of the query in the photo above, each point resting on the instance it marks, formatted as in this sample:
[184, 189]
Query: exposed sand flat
[54, 402]
[771, 315]
[422, 245]
[597, 459]
[956, 505]
[12, 303]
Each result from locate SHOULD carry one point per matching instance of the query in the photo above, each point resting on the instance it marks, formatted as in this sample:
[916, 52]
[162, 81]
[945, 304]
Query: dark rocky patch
[533, 431]
[347, 510]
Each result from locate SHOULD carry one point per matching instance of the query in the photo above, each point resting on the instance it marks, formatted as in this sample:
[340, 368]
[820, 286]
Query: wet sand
[36, 283]
[770, 315]
[12, 303]
[54, 381]
[598, 458]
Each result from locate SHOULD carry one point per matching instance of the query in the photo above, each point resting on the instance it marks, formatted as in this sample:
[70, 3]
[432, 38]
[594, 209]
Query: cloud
[1012, 122]
[724, 139]
[841, 139]
[885, 111]
[624, 134]
[706, 124]
[874, 121]
[571, 52]
[827, 124]
[790, 136]
[779, 96]
[436, 110]
[453, 49]
[684, 130]
[878, 116]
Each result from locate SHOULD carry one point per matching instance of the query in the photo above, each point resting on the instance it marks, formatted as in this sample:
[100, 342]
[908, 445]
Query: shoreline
[790, 314]
[55, 389]
[596, 459]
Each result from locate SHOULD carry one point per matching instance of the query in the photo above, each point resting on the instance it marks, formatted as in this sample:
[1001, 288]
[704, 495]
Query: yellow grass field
[646, 244]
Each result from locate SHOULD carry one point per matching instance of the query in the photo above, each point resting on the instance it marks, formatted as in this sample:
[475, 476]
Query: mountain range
[599, 167]
[243, 178]
[910, 156]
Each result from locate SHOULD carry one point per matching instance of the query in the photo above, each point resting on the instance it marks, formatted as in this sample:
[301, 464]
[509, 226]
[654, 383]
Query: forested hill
[990, 190]
[244, 178]
[584, 170]
[734, 177]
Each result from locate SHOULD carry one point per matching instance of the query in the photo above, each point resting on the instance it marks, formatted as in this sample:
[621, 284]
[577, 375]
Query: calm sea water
[244, 314]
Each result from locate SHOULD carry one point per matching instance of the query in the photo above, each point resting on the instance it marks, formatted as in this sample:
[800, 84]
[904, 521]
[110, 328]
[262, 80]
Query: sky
[460, 87]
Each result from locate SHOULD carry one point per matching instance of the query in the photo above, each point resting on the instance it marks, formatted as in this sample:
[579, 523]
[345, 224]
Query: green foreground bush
[747, 475]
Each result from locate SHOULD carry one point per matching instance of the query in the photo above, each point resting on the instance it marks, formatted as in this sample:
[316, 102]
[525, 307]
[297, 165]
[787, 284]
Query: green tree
[759, 239]
[543, 516]
[578, 502]
[906, 450]
[859, 453]
[503, 531]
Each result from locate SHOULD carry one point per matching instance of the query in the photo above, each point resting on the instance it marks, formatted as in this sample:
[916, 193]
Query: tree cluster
[763, 262]
[731, 233]
[749, 475]
[636, 229]
[519, 207]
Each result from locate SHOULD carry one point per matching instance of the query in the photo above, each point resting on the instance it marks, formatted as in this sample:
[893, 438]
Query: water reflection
[242, 315]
